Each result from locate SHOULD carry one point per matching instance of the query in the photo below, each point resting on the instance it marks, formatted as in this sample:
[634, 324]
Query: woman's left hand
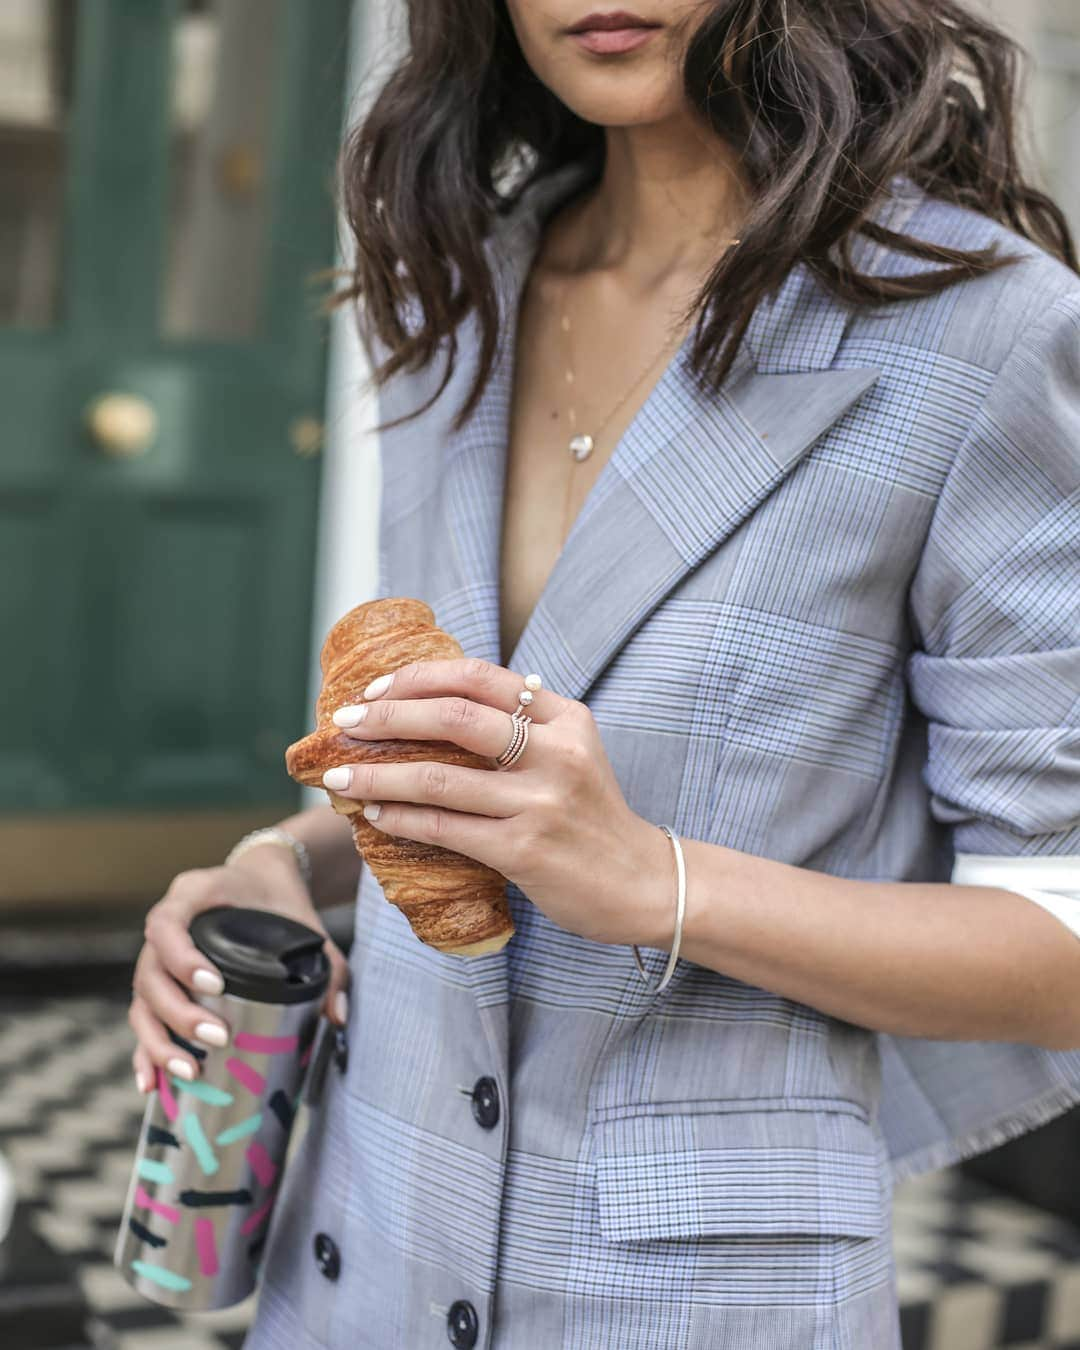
[555, 823]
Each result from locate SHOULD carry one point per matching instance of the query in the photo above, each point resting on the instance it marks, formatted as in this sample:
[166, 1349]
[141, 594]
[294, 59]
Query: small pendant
[581, 447]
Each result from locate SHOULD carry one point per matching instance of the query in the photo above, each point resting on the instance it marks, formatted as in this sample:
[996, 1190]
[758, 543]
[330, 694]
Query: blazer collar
[689, 469]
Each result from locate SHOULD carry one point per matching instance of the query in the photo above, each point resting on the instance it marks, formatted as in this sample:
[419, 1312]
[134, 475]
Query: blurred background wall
[189, 481]
[1049, 30]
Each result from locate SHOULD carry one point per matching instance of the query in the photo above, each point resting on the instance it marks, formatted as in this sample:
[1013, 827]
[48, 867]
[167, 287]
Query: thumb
[336, 1002]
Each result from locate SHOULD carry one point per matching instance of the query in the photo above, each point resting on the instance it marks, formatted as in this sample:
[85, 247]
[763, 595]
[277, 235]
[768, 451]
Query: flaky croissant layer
[452, 902]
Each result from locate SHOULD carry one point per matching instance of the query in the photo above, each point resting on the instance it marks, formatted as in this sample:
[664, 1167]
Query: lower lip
[610, 41]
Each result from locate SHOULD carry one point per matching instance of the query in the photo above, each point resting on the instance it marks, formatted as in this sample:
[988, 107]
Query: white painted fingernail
[142, 1083]
[338, 778]
[372, 811]
[181, 1068]
[341, 1006]
[379, 686]
[350, 716]
[211, 1033]
[208, 981]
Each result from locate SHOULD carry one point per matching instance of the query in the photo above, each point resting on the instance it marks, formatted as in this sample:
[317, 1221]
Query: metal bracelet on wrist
[273, 834]
[680, 911]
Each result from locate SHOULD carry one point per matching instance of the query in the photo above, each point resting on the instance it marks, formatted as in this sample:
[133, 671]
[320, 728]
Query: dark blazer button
[327, 1256]
[462, 1324]
[341, 1049]
[485, 1102]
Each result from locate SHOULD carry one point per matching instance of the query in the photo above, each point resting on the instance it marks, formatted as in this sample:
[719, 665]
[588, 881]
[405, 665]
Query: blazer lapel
[690, 468]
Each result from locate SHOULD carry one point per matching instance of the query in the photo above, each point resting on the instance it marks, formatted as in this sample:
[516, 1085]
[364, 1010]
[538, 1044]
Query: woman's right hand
[169, 964]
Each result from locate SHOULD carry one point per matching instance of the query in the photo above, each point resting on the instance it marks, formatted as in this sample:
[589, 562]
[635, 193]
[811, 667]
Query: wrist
[271, 863]
[654, 889]
[278, 837]
[657, 890]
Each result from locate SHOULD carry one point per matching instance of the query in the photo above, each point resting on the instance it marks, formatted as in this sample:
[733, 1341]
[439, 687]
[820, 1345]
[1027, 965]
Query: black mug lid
[262, 955]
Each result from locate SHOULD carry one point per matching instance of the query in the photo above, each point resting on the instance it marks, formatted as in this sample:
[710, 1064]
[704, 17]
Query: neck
[668, 201]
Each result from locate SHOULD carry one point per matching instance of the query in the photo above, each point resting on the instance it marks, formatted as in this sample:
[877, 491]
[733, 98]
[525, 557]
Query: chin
[612, 98]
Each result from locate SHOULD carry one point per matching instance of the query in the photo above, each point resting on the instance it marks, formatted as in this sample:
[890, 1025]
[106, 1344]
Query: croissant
[452, 902]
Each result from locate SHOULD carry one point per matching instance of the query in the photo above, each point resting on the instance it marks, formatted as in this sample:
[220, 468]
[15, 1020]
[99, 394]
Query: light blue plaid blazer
[855, 571]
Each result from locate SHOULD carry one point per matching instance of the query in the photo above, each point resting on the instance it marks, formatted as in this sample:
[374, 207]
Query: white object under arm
[1053, 882]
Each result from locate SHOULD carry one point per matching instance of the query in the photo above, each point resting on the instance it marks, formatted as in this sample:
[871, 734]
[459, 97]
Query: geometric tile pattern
[976, 1269]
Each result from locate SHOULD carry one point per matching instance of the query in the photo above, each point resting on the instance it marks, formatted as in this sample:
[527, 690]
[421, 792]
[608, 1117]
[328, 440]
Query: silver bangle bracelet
[273, 834]
[680, 911]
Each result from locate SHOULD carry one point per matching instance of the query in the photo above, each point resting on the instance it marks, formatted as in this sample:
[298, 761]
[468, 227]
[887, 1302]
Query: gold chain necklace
[581, 445]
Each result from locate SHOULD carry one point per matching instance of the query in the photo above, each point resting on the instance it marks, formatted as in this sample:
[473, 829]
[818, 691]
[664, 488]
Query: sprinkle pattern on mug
[189, 1108]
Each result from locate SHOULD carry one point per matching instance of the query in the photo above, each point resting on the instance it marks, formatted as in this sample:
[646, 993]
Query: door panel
[156, 519]
[30, 527]
[196, 564]
[36, 77]
[226, 64]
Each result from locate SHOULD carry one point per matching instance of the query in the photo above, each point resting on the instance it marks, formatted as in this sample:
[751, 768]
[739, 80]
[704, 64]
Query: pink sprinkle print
[168, 1101]
[261, 1164]
[256, 1216]
[244, 1074]
[205, 1246]
[265, 1045]
[148, 1202]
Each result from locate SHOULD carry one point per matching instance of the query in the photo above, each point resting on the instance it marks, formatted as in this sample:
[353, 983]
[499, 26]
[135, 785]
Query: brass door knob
[121, 425]
[306, 435]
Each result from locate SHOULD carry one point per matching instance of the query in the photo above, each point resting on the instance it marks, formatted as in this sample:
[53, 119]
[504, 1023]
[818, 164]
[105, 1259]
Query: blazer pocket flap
[737, 1172]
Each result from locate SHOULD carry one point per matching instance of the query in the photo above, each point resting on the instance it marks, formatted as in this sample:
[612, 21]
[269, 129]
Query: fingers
[430, 783]
[472, 725]
[156, 1048]
[174, 1032]
[336, 1004]
[166, 931]
[143, 1067]
[172, 1028]
[154, 1023]
[476, 679]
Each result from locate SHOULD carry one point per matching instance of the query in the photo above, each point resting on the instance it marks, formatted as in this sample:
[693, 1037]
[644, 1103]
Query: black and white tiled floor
[977, 1270]
[69, 1117]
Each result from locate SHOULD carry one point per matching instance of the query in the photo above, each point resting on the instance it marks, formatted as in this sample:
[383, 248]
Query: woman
[730, 376]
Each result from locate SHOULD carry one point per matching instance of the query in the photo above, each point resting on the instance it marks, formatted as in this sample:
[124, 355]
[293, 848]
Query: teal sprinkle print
[168, 1279]
[235, 1132]
[155, 1171]
[204, 1091]
[200, 1145]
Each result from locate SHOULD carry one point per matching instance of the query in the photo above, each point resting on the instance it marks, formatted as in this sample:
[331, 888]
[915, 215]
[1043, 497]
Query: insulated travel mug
[211, 1151]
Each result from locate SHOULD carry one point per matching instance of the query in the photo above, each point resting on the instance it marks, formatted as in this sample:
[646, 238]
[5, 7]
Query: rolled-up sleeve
[1052, 882]
[995, 670]
[995, 611]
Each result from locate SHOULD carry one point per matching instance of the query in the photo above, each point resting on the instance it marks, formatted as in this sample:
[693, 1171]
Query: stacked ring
[519, 735]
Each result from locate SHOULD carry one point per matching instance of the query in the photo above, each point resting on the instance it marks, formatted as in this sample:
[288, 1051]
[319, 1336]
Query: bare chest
[546, 486]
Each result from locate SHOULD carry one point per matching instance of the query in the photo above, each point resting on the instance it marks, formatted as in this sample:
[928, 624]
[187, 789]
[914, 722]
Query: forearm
[932, 959]
[335, 863]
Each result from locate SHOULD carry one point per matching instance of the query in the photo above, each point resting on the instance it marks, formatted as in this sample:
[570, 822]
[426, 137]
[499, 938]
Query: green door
[166, 185]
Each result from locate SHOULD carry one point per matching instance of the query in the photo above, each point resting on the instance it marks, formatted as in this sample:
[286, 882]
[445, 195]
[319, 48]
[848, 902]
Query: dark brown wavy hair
[823, 100]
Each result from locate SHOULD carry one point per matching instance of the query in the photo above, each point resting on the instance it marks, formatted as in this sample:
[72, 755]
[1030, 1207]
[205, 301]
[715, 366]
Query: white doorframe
[346, 567]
